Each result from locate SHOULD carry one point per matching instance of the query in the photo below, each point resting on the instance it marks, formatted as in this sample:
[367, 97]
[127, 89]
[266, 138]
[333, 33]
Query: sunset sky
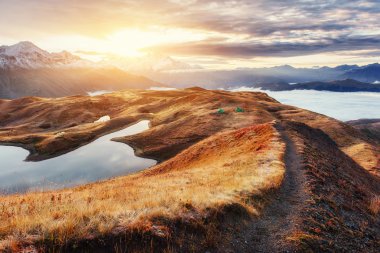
[214, 34]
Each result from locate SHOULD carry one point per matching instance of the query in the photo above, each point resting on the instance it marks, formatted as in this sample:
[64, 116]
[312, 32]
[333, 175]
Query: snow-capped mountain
[27, 70]
[149, 63]
[28, 56]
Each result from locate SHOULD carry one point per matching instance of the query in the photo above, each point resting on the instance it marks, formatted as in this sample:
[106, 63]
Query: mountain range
[253, 77]
[346, 85]
[148, 64]
[26, 55]
[27, 70]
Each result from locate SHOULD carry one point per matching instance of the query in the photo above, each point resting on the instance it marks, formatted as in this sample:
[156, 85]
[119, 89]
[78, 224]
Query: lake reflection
[100, 159]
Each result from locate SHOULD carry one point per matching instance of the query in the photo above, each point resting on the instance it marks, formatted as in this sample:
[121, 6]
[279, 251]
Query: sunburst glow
[222, 34]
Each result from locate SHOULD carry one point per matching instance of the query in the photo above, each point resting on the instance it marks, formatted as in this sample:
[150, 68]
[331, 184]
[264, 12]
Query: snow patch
[98, 92]
[60, 134]
[27, 55]
[103, 119]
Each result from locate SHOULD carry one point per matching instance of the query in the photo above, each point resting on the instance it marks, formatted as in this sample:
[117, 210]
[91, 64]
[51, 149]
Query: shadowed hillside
[370, 127]
[59, 82]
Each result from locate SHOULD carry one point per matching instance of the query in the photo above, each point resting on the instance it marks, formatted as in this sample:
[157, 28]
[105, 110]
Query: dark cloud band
[250, 50]
[269, 27]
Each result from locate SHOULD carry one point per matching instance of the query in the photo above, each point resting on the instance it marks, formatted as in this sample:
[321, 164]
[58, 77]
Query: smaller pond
[98, 160]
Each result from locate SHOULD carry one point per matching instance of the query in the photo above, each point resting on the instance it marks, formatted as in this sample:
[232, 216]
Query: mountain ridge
[251, 77]
[27, 70]
[346, 85]
[26, 55]
[26, 59]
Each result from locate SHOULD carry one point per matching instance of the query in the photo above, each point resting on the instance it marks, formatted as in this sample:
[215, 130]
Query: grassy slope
[34, 122]
[342, 213]
[179, 119]
[211, 174]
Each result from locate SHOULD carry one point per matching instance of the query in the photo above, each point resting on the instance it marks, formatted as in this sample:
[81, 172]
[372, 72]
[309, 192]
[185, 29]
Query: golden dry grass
[374, 205]
[350, 140]
[33, 122]
[364, 154]
[215, 172]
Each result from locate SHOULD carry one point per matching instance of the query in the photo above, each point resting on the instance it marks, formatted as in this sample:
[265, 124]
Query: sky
[212, 34]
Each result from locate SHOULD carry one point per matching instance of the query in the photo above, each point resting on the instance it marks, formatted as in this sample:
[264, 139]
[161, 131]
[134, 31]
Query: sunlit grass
[374, 205]
[213, 173]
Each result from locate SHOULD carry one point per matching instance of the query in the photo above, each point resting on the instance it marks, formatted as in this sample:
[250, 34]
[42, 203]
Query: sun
[124, 42]
[131, 41]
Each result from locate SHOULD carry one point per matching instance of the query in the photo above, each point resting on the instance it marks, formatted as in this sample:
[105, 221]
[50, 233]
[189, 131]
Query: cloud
[235, 28]
[253, 49]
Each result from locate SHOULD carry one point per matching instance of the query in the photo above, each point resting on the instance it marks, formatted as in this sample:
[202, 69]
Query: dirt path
[267, 232]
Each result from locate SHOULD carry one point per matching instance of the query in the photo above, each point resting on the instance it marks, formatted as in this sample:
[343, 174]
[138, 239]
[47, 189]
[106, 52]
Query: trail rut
[267, 233]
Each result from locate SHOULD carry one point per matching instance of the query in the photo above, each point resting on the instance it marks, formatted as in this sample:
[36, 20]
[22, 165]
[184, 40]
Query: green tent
[238, 109]
[221, 111]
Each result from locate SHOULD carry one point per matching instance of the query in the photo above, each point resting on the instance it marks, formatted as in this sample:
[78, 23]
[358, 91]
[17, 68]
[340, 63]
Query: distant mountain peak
[27, 55]
[150, 63]
[21, 48]
[25, 44]
[347, 81]
[285, 67]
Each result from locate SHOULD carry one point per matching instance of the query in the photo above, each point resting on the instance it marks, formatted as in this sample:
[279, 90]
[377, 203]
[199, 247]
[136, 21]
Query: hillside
[271, 178]
[347, 85]
[369, 73]
[264, 77]
[370, 127]
[27, 70]
[58, 82]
